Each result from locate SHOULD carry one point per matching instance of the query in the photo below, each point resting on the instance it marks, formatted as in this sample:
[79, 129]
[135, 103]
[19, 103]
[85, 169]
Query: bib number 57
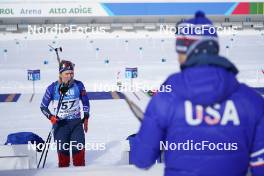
[67, 105]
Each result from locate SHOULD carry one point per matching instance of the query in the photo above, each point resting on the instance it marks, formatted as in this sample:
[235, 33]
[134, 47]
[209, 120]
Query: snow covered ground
[111, 120]
[89, 53]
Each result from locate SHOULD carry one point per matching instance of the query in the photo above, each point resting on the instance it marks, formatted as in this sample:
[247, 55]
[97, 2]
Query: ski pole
[57, 53]
[51, 132]
[46, 154]
[49, 137]
[45, 146]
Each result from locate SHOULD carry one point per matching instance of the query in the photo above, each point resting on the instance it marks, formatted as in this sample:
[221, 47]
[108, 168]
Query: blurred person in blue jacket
[209, 124]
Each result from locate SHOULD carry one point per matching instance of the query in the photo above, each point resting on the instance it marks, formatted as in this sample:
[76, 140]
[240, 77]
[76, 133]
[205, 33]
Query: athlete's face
[181, 58]
[66, 76]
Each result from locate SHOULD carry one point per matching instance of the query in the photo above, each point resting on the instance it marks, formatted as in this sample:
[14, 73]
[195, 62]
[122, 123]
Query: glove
[85, 125]
[64, 88]
[85, 121]
[53, 119]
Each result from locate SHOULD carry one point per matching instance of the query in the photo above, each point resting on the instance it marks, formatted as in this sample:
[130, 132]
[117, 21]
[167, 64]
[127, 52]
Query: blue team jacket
[208, 124]
[70, 106]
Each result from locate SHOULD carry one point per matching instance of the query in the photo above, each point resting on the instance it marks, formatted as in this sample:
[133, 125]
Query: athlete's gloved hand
[85, 125]
[64, 88]
[85, 122]
[53, 119]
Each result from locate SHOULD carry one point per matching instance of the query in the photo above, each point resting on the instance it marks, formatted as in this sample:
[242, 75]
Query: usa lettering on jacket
[211, 115]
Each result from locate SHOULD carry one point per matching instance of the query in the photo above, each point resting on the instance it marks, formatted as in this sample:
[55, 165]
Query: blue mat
[9, 97]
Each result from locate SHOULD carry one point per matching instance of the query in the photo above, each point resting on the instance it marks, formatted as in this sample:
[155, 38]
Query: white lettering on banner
[211, 115]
